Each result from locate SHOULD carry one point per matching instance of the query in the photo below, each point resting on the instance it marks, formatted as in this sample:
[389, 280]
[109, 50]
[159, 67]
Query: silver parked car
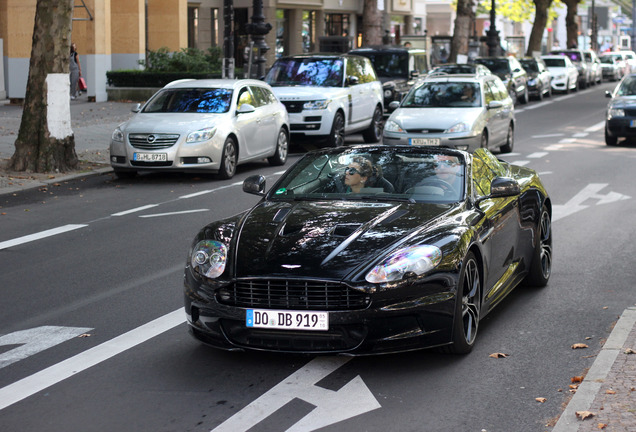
[459, 111]
[565, 76]
[203, 126]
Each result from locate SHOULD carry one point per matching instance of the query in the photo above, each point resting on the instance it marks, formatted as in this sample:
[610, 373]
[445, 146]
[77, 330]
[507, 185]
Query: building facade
[117, 34]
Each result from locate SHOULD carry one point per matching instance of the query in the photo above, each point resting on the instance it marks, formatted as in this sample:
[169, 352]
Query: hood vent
[345, 230]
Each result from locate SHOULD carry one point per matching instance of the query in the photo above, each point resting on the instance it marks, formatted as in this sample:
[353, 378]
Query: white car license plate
[150, 157]
[425, 141]
[287, 320]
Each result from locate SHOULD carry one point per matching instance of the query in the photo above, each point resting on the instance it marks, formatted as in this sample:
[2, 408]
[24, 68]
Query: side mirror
[254, 185]
[501, 187]
[495, 104]
[608, 93]
[136, 108]
[352, 80]
[246, 108]
[393, 105]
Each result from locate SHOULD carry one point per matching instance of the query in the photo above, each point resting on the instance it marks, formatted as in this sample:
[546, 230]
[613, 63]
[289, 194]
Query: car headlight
[560, 76]
[615, 112]
[118, 135]
[532, 82]
[209, 258]
[392, 126]
[201, 135]
[407, 261]
[459, 127]
[317, 104]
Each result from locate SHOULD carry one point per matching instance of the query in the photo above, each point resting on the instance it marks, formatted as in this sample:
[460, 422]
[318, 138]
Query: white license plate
[425, 141]
[287, 320]
[150, 157]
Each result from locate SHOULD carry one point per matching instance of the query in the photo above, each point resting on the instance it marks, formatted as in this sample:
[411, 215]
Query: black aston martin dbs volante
[370, 249]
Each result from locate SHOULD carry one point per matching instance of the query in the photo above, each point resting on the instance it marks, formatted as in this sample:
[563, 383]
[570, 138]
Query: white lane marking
[597, 127]
[520, 163]
[554, 135]
[580, 134]
[196, 194]
[40, 235]
[567, 140]
[135, 210]
[537, 155]
[34, 340]
[52, 375]
[331, 406]
[538, 105]
[174, 213]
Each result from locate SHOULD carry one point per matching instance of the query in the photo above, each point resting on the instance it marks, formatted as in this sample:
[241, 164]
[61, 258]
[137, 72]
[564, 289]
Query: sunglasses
[351, 171]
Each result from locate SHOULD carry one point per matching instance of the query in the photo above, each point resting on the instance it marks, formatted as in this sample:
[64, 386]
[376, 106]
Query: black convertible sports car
[370, 249]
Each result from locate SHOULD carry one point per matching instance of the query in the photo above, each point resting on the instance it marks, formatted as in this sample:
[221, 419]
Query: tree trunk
[45, 141]
[540, 21]
[371, 23]
[461, 33]
[571, 26]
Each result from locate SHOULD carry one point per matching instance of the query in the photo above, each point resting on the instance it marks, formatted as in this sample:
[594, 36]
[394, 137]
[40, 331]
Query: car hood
[434, 118]
[326, 240]
[303, 93]
[557, 70]
[623, 102]
[171, 122]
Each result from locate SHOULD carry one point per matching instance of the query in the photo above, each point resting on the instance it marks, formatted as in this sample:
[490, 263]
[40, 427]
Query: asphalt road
[93, 339]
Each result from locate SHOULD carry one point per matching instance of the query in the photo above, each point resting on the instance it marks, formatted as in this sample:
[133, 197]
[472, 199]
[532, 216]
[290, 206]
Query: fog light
[224, 295]
[203, 160]
[113, 159]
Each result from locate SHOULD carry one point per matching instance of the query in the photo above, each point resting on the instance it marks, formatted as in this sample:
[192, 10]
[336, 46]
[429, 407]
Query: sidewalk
[92, 123]
[607, 395]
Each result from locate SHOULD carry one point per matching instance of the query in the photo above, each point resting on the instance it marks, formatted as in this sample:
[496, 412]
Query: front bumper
[461, 142]
[311, 122]
[621, 127]
[411, 317]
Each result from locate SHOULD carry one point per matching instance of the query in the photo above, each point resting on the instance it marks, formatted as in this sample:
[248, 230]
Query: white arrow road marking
[589, 192]
[34, 340]
[52, 375]
[38, 236]
[331, 406]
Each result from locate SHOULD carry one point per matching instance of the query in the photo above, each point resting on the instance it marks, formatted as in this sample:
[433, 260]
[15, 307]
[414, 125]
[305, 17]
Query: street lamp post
[492, 35]
[257, 29]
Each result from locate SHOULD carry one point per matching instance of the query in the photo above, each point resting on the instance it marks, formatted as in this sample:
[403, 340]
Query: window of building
[337, 24]
[214, 15]
[193, 26]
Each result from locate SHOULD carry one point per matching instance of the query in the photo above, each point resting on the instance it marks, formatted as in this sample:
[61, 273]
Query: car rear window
[190, 100]
[326, 72]
[554, 62]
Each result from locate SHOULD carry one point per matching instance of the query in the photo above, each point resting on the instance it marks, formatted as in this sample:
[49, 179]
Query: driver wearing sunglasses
[357, 173]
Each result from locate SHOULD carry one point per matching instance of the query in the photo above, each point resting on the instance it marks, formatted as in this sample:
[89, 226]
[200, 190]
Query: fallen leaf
[576, 379]
[498, 355]
[83, 335]
[601, 425]
[579, 345]
[584, 414]
[540, 399]
[609, 391]
[629, 351]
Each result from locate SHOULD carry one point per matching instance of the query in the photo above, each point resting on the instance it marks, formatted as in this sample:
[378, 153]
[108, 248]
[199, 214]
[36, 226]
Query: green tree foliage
[185, 60]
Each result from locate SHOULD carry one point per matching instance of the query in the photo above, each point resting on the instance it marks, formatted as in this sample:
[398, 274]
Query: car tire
[374, 133]
[483, 142]
[228, 159]
[540, 94]
[336, 137]
[510, 141]
[610, 140]
[524, 97]
[282, 146]
[541, 266]
[549, 93]
[513, 96]
[467, 307]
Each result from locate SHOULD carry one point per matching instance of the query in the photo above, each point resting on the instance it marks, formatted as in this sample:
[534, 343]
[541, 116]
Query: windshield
[390, 64]
[529, 66]
[325, 72]
[573, 55]
[554, 62]
[409, 174]
[190, 100]
[496, 66]
[627, 87]
[607, 59]
[443, 94]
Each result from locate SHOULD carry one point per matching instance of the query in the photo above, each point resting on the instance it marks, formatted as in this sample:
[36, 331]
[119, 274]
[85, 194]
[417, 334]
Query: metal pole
[492, 35]
[633, 24]
[257, 29]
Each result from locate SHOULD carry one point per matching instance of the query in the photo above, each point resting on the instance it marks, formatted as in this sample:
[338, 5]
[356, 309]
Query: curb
[34, 184]
[591, 385]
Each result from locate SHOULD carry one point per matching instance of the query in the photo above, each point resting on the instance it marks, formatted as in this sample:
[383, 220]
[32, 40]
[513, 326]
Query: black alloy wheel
[468, 307]
[337, 136]
[484, 139]
[541, 266]
[510, 141]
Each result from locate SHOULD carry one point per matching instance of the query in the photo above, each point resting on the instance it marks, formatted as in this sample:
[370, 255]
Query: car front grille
[293, 294]
[152, 141]
[294, 106]
[425, 131]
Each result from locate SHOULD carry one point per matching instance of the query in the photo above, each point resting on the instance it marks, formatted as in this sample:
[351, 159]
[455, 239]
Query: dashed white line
[135, 210]
[40, 235]
[537, 155]
[173, 213]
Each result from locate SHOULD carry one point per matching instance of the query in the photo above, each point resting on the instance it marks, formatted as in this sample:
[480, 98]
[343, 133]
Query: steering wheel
[445, 186]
